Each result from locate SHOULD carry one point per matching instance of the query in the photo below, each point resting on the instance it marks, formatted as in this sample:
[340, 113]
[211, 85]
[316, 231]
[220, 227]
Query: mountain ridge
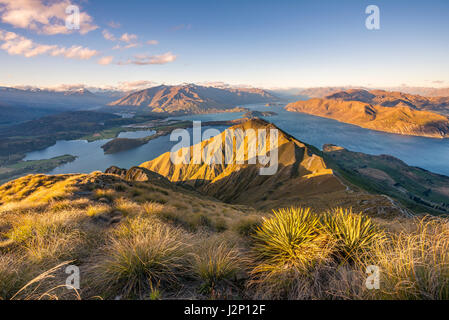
[401, 119]
[192, 98]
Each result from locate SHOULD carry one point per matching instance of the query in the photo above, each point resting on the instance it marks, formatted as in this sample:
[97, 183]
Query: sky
[261, 43]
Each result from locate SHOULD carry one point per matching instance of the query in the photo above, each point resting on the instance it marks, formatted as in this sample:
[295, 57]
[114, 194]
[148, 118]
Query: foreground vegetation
[152, 240]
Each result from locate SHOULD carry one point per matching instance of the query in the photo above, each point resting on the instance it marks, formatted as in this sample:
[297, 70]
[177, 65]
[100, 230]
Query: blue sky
[282, 43]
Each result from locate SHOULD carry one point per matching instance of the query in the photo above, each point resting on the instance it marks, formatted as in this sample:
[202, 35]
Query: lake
[427, 153]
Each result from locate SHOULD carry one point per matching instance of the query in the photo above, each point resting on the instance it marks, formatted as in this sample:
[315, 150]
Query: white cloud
[46, 17]
[128, 38]
[135, 85]
[143, 59]
[105, 60]
[15, 44]
[114, 24]
[152, 42]
[108, 36]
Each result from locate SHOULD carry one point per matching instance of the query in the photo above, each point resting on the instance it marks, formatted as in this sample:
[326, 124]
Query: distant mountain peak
[192, 98]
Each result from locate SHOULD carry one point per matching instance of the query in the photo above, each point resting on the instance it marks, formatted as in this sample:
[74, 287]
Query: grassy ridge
[151, 240]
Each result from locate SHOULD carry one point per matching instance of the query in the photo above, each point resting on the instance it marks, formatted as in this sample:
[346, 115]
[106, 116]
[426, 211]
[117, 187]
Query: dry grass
[415, 265]
[154, 242]
[47, 237]
[141, 253]
[217, 263]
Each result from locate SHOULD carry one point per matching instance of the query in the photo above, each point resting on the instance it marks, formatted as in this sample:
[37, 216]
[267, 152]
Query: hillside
[394, 99]
[417, 189]
[400, 119]
[13, 114]
[192, 98]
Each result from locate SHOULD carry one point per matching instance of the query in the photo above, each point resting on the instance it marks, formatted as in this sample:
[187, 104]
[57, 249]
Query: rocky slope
[192, 98]
[399, 119]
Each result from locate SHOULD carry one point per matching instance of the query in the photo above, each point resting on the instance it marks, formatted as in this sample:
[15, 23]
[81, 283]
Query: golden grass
[157, 243]
[415, 265]
[353, 234]
[140, 253]
[217, 263]
[292, 237]
[46, 237]
[98, 209]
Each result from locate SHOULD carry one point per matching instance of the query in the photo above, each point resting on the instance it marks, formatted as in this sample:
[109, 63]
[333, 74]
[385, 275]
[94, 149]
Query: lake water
[90, 156]
[427, 153]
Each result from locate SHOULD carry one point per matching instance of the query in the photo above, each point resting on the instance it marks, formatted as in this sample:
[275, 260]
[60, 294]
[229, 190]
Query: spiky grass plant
[288, 245]
[142, 252]
[291, 237]
[354, 234]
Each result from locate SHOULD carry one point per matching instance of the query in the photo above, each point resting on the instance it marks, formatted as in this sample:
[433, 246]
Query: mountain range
[192, 98]
[53, 100]
[394, 99]
[392, 112]
[321, 92]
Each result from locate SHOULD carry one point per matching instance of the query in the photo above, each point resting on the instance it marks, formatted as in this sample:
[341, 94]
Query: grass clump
[96, 210]
[248, 226]
[353, 234]
[47, 237]
[217, 264]
[143, 252]
[288, 245]
[292, 237]
[415, 265]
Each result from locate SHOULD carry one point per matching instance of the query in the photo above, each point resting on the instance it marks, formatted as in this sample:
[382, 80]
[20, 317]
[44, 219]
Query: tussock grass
[127, 207]
[155, 242]
[248, 226]
[154, 208]
[98, 209]
[415, 265]
[141, 253]
[217, 263]
[108, 194]
[47, 237]
[9, 276]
